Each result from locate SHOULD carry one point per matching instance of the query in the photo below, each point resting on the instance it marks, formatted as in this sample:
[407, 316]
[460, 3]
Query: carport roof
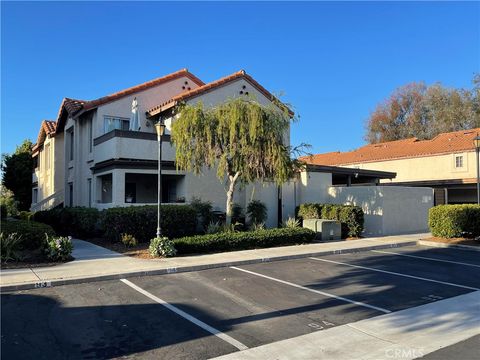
[336, 170]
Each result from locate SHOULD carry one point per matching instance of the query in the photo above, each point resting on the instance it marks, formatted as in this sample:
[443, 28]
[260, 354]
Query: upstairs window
[113, 122]
[71, 146]
[458, 162]
[36, 161]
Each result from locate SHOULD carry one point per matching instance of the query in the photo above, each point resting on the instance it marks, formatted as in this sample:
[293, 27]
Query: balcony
[125, 144]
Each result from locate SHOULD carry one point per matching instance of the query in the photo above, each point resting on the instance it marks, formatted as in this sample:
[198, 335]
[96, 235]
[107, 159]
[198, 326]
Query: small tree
[242, 138]
[17, 174]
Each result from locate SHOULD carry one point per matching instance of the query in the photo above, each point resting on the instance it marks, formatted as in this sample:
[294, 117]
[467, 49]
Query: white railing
[49, 202]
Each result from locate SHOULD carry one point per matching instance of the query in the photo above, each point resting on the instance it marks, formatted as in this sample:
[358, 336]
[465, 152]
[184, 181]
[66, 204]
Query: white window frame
[459, 162]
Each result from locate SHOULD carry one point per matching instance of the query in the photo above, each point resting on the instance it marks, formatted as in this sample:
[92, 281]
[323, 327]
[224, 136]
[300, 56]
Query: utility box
[325, 229]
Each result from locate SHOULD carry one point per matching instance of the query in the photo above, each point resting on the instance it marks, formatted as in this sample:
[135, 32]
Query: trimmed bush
[81, 222]
[25, 215]
[161, 246]
[351, 217]
[228, 241]
[141, 221]
[32, 233]
[129, 240]
[451, 221]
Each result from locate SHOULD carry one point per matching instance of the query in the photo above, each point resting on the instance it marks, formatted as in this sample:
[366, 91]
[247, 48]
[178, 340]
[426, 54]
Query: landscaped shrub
[204, 213]
[10, 245]
[25, 215]
[32, 233]
[58, 248]
[79, 222]
[129, 240]
[161, 246]
[214, 227]
[141, 221]
[454, 220]
[257, 212]
[227, 241]
[351, 217]
[291, 223]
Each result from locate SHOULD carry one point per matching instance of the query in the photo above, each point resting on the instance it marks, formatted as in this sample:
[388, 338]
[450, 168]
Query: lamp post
[476, 142]
[160, 128]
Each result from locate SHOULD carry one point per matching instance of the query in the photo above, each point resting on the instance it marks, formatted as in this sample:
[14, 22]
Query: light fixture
[160, 128]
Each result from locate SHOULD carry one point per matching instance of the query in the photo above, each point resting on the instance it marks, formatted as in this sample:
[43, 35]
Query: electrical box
[325, 229]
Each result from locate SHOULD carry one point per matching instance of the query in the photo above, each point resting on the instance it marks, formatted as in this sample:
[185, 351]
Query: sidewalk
[405, 334]
[93, 262]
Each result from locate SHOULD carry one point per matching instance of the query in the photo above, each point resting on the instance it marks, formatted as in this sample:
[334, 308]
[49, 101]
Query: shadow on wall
[369, 199]
[388, 210]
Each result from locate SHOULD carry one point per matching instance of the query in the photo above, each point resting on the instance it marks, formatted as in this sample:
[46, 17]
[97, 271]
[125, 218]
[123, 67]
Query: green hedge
[451, 221]
[228, 241]
[141, 221]
[33, 233]
[78, 222]
[351, 217]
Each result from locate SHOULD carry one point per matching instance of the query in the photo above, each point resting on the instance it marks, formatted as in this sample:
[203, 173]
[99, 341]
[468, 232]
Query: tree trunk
[230, 191]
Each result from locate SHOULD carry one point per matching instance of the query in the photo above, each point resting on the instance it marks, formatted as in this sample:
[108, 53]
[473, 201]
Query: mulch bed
[455, 241]
[140, 251]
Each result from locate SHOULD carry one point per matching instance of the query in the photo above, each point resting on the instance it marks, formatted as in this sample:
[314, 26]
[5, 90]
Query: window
[36, 161]
[106, 188]
[47, 156]
[90, 135]
[35, 196]
[89, 187]
[113, 122]
[459, 162]
[70, 145]
[70, 194]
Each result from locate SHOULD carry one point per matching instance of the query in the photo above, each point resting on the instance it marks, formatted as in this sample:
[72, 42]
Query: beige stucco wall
[438, 167]
[312, 187]
[388, 210]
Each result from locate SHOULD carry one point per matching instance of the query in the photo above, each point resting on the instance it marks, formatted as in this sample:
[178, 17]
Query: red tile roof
[48, 127]
[184, 72]
[452, 142]
[209, 87]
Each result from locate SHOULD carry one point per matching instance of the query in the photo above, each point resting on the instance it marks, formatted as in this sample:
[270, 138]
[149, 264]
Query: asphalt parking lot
[200, 315]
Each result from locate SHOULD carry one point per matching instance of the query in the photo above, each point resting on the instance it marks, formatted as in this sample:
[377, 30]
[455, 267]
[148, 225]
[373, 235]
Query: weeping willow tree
[243, 139]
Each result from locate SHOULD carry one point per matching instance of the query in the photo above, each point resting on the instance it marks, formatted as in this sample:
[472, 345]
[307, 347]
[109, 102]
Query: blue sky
[333, 61]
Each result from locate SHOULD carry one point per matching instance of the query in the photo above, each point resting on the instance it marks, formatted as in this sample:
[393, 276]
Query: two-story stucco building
[446, 163]
[91, 156]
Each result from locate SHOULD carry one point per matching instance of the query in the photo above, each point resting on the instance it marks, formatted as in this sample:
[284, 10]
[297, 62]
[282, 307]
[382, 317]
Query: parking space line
[188, 317]
[397, 274]
[313, 290]
[426, 258]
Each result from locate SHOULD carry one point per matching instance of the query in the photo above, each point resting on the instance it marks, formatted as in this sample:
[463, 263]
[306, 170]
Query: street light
[476, 142]
[160, 128]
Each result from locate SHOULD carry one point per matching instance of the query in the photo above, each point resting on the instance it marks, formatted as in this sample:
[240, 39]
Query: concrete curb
[444, 245]
[173, 270]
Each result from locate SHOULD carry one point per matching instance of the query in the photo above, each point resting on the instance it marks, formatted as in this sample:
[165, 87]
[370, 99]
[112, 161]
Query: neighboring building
[446, 163]
[48, 171]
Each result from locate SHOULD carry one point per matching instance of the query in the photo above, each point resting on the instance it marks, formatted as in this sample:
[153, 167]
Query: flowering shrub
[58, 248]
[161, 246]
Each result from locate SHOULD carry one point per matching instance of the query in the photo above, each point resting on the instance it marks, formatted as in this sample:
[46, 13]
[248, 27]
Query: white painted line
[397, 274]
[189, 317]
[314, 291]
[426, 258]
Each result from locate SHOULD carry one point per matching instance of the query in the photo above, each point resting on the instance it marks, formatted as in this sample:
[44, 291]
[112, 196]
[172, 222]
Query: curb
[444, 245]
[181, 269]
